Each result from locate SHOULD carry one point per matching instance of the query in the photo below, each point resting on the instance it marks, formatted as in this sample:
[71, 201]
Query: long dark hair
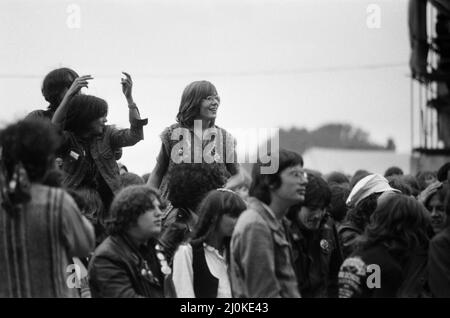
[400, 223]
[191, 99]
[216, 204]
[82, 111]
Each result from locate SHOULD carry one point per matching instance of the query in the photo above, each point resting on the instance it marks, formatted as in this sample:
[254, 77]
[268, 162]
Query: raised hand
[77, 84]
[430, 190]
[127, 86]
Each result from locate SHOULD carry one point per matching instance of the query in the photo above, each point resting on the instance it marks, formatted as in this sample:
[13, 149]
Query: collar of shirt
[269, 210]
[212, 250]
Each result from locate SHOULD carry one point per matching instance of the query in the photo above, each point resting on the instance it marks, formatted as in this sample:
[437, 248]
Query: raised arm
[60, 114]
[129, 137]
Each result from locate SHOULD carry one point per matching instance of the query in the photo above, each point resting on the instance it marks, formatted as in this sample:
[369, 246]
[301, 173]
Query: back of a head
[337, 178]
[55, 83]
[260, 187]
[338, 207]
[190, 182]
[399, 218]
[242, 179]
[128, 179]
[83, 110]
[89, 202]
[358, 175]
[443, 172]
[398, 182]
[31, 143]
[425, 178]
[393, 171]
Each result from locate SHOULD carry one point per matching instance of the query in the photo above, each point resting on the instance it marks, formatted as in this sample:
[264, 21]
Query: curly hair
[128, 205]
[55, 83]
[190, 182]
[399, 222]
[191, 100]
[32, 143]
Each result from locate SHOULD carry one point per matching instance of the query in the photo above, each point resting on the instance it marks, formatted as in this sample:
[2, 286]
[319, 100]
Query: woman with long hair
[200, 267]
[390, 256]
[195, 138]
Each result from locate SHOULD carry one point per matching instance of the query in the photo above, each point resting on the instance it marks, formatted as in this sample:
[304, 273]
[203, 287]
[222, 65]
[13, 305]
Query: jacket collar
[268, 216]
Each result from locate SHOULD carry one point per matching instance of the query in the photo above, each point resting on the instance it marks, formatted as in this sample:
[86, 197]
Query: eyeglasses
[212, 98]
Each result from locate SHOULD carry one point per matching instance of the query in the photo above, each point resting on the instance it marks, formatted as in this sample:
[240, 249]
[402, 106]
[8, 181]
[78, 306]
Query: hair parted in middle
[216, 204]
[191, 100]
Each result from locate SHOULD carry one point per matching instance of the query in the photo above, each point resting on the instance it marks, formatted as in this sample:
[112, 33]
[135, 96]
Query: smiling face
[293, 185]
[438, 215]
[310, 217]
[208, 107]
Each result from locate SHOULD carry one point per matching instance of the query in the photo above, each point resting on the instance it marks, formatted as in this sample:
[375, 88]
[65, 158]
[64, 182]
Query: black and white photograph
[237, 150]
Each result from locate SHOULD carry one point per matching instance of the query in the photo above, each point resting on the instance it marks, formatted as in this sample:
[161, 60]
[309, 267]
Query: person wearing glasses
[195, 138]
[261, 263]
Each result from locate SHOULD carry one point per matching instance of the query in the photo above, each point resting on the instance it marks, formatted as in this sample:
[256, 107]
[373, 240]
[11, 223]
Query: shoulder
[250, 220]
[108, 249]
[168, 130]
[38, 113]
[442, 238]
[184, 249]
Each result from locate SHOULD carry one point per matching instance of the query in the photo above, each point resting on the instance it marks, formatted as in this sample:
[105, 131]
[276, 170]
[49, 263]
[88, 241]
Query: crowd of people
[75, 222]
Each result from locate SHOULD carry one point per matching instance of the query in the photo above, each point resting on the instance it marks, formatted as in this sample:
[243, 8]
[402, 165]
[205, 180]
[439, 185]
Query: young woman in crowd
[41, 226]
[126, 263]
[195, 137]
[89, 144]
[200, 267]
[390, 257]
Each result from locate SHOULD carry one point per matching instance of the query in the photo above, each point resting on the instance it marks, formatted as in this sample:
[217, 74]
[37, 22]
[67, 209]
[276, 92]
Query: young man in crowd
[261, 256]
[316, 248]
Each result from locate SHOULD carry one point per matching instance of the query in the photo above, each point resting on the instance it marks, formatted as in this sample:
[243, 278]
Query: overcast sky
[275, 63]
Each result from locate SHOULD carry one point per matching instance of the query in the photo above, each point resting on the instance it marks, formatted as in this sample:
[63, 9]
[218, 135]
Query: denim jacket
[102, 151]
[261, 256]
